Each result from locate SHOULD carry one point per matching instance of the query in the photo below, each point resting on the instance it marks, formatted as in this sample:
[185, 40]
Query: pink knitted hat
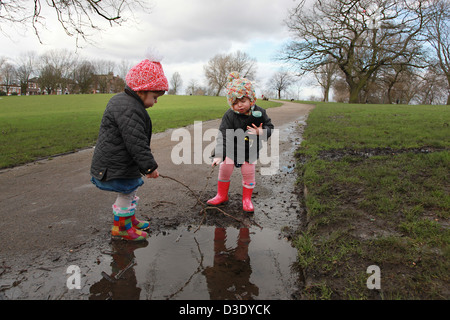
[148, 75]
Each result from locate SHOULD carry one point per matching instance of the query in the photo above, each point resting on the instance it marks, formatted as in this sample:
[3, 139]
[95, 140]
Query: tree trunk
[389, 94]
[354, 94]
[218, 91]
[354, 89]
[326, 93]
[448, 83]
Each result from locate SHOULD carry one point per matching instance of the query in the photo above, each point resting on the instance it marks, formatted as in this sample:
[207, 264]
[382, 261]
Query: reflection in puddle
[121, 282]
[229, 275]
[212, 263]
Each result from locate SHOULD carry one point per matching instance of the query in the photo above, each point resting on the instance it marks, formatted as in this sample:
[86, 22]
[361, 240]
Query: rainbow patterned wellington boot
[123, 226]
[138, 224]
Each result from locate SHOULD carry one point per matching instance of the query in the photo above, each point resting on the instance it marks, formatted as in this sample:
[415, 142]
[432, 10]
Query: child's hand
[216, 161]
[255, 130]
[154, 174]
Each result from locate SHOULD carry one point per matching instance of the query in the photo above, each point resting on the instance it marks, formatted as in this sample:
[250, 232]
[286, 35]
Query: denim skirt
[118, 185]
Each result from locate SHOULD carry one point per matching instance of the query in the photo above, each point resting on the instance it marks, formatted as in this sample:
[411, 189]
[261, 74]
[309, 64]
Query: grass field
[34, 127]
[376, 181]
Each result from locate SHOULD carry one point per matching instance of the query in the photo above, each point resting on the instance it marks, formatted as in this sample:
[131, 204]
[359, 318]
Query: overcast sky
[186, 32]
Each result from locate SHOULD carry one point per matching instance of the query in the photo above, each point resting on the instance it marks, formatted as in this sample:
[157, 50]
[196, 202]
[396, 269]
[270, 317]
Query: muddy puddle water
[212, 263]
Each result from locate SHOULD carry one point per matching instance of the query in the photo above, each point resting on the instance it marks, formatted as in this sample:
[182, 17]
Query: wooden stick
[227, 214]
[195, 195]
[206, 185]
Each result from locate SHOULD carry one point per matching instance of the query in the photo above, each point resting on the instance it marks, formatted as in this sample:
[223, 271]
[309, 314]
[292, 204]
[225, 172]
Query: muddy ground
[53, 217]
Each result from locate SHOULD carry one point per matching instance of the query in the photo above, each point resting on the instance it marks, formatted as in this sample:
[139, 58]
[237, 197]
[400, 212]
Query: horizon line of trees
[379, 51]
[62, 70]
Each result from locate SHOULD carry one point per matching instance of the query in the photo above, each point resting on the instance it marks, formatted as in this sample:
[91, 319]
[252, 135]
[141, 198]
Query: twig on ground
[227, 214]
[195, 195]
[206, 185]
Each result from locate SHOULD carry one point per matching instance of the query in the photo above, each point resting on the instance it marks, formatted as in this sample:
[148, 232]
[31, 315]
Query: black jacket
[123, 145]
[238, 145]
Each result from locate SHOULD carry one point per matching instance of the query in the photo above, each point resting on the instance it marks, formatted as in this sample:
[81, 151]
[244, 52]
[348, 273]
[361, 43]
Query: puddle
[185, 263]
[211, 263]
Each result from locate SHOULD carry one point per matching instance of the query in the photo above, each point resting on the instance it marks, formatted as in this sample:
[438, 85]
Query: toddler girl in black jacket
[122, 153]
[239, 140]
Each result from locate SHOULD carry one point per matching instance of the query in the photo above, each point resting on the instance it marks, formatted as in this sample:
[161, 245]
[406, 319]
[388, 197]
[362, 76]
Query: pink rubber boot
[222, 193]
[247, 204]
[248, 182]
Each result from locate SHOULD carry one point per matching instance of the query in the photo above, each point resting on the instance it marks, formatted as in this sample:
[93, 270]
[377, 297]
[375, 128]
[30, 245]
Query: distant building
[107, 83]
[10, 89]
[33, 87]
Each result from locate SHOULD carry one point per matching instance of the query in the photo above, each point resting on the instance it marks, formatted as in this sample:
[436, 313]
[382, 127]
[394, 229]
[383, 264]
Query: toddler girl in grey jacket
[122, 153]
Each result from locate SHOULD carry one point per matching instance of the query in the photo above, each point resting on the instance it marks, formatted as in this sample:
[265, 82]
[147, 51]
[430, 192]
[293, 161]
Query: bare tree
[9, 74]
[244, 64]
[360, 36]
[439, 38]
[2, 61]
[431, 88]
[83, 75]
[123, 68]
[26, 66]
[175, 83]
[391, 78]
[192, 87]
[104, 66]
[221, 65]
[216, 72]
[281, 81]
[58, 65]
[76, 17]
[340, 88]
[325, 76]
[49, 78]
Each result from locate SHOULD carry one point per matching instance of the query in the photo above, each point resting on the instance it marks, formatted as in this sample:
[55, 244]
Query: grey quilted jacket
[123, 145]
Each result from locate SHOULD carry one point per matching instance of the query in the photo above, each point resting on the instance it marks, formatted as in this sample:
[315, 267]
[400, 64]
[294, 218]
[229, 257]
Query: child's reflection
[229, 277]
[121, 284]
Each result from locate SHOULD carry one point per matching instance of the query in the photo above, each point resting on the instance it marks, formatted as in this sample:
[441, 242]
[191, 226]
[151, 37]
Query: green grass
[339, 126]
[377, 180]
[33, 127]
